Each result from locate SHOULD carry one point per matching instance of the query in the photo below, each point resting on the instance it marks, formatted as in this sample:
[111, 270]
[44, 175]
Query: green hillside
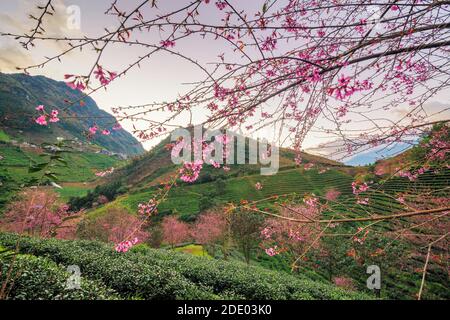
[19, 96]
[15, 164]
[143, 175]
[186, 199]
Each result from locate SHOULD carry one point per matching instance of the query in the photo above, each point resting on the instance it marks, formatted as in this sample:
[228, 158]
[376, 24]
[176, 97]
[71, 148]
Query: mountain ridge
[21, 93]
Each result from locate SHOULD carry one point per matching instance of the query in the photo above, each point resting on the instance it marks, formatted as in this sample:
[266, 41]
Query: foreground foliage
[158, 274]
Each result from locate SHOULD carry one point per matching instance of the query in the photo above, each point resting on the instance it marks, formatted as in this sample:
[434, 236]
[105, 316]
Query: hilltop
[150, 168]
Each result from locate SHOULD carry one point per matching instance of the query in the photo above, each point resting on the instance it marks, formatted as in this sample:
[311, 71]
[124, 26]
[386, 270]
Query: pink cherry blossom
[311, 200]
[401, 199]
[266, 233]
[272, 251]
[93, 130]
[359, 187]
[124, 246]
[149, 208]
[363, 201]
[41, 120]
[54, 116]
[221, 4]
[40, 108]
[167, 44]
[76, 83]
[215, 164]
[190, 171]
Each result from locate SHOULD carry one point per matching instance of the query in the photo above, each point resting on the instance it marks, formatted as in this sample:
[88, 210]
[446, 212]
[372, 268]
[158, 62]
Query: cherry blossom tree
[38, 213]
[287, 236]
[174, 231]
[116, 226]
[210, 229]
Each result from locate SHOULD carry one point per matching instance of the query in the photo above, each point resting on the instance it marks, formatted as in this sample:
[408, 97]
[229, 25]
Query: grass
[194, 249]
[4, 137]
[72, 191]
[81, 165]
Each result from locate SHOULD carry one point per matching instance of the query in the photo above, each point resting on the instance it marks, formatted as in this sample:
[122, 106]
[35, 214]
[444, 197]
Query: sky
[160, 79]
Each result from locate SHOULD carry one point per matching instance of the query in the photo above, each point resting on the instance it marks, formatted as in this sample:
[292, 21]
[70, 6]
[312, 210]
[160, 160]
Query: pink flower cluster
[308, 166]
[124, 246]
[104, 77]
[332, 195]
[44, 117]
[359, 187]
[311, 200]
[439, 145]
[342, 111]
[258, 186]
[323, 170]
[93, 130]
[221, 4]
[266, 233]
[215, 164]
[269, 44]
[190, 171]
[363, 201]
[167, 43]
[272, 251]
[344, 89]
[149, 208]
[75, 82]
[401, 199]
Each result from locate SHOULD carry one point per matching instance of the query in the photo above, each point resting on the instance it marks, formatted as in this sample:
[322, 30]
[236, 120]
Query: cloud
[432, 111]
[331, 149]
[12, 54]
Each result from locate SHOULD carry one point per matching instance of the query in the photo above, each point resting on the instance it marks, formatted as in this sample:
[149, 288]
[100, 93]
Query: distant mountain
[376, 154]
[19, 96]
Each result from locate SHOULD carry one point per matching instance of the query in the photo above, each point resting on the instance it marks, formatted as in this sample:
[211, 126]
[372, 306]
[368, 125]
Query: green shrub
[159, 274]
[250, 282]
[97, 261]
[37, 278]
